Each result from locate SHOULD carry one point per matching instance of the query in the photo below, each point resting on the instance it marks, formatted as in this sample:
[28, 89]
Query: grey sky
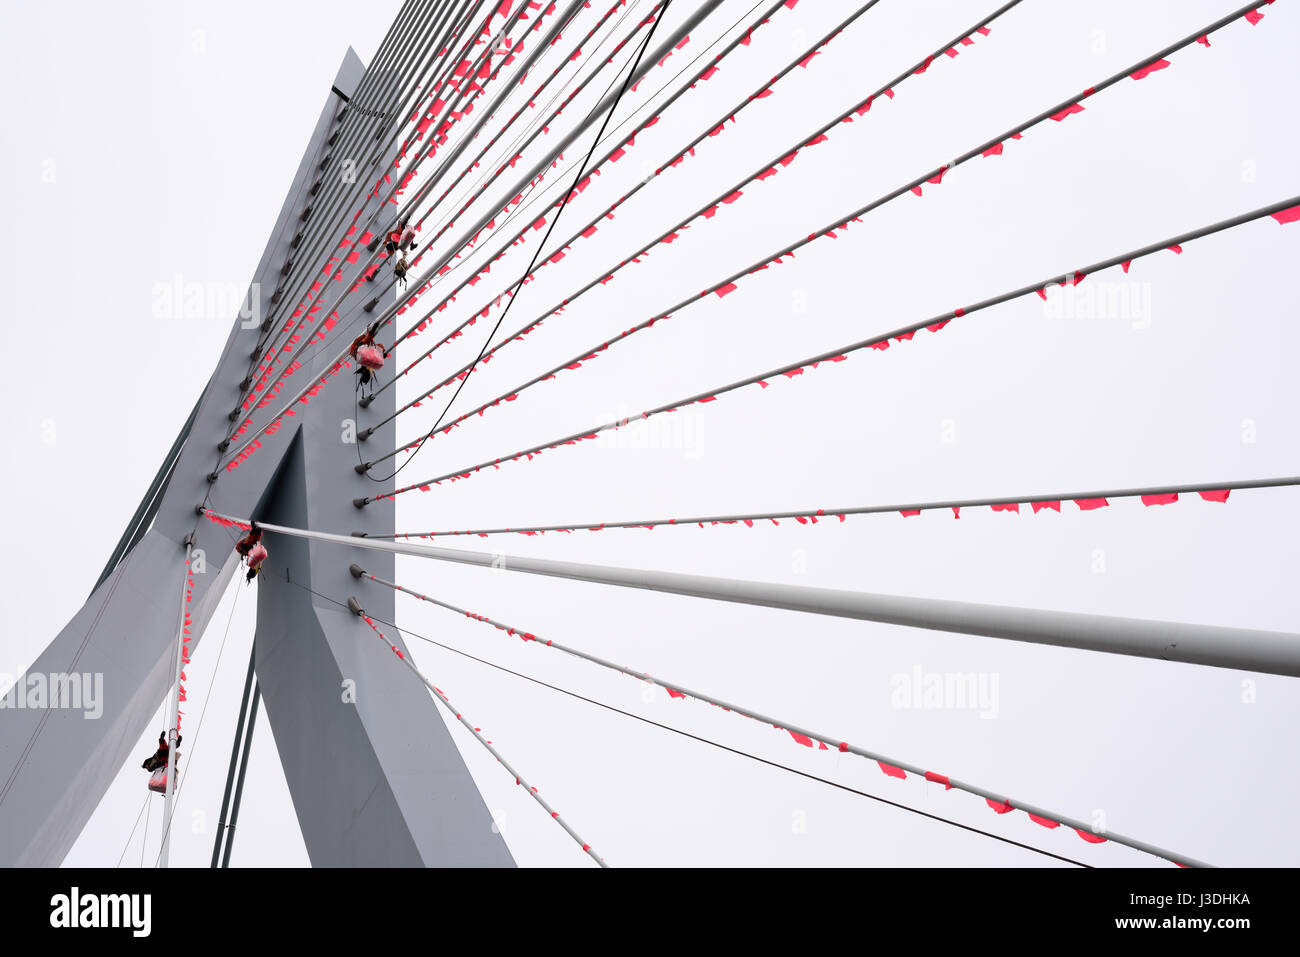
[172, 142]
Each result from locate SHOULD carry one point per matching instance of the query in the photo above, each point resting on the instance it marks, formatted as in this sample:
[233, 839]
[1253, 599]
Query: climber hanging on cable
[370, 357]
[400, 268]
[397, 236]
[159, 758]
[251, 549]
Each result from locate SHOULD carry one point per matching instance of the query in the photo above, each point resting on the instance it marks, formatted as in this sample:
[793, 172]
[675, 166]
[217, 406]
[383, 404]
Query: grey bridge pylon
[376, 780]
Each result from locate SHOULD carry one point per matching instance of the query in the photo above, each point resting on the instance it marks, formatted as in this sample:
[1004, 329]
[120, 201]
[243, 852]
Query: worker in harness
[393, 238]
[408, 237]
[369, 356]
[399, 268]
[159, 758]
[251, 549]
[402, 236]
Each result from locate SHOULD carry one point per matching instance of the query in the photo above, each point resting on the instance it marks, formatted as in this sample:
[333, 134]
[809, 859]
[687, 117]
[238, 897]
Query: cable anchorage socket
[354, 606]
[356, 570]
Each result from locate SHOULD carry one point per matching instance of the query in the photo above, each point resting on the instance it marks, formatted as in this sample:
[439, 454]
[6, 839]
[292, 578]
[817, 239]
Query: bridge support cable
[1096, 498]
[446, 703]
[724, 286]
[713, 127]
[890, 766]
[321, 245]
[1284, 211]
[383, 78]
[388, 314]
[409, 633]
[636, 62]
[370, 262]
[1245, 649]
[736, 751]
[539, 121]
[443, 61]
[386, 75]
[697, 16]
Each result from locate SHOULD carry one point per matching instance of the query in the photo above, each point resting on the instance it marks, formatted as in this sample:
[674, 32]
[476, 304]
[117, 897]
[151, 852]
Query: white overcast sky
[156, 146]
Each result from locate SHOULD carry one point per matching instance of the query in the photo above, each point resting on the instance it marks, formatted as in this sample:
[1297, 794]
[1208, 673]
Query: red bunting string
[1150, 68]
[889, 768]
[484, 72]
[608, 212]
[730, 286]
[486, 184]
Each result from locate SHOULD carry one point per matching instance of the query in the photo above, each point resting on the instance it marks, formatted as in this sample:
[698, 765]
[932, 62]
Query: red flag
[1144, 72]
[1219, 496]
[938, 779]
[1166, 498]
[1285, 216]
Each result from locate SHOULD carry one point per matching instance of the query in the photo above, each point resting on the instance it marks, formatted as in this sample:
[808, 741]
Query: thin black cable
[506, 220]
[386, 61]
[526, 192]
[702, 740]
[605, 274]
[121, 857]
[309, 300]
[144, 835]
[215, 670]
[513, 148]
[537, 252]
[687, 734]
